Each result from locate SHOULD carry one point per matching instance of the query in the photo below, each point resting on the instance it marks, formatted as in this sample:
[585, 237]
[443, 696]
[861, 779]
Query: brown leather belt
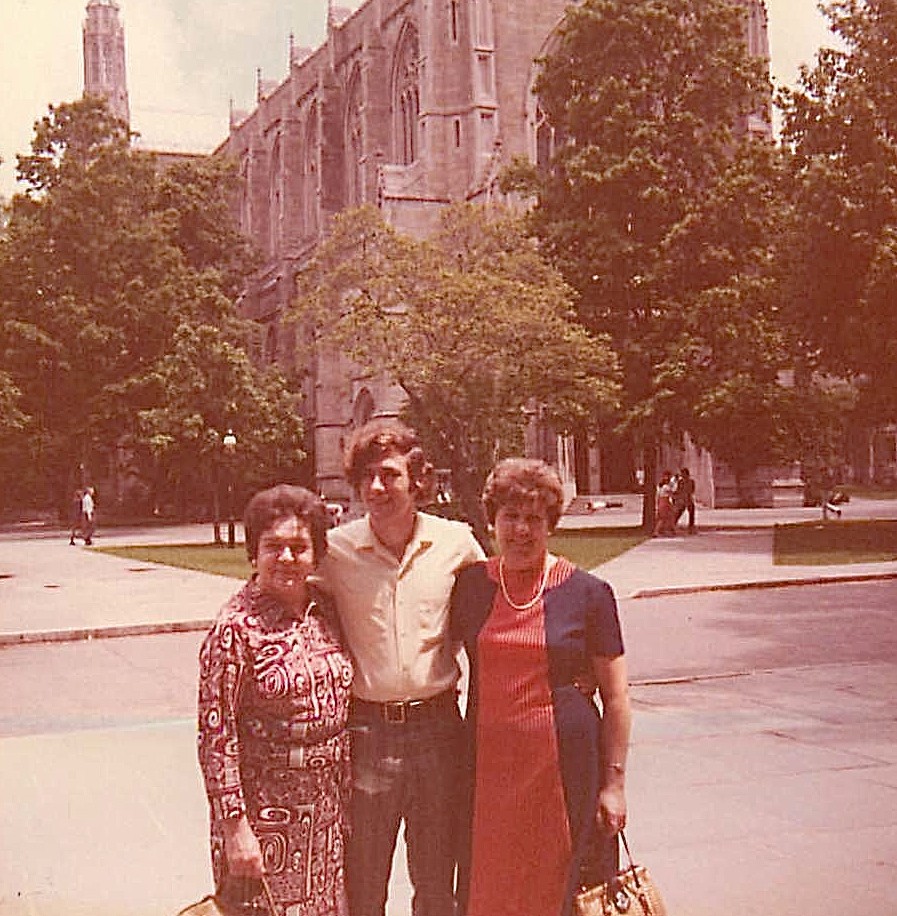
[398, 712]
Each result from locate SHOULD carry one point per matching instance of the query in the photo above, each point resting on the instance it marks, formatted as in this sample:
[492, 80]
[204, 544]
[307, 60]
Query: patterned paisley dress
[273, 704]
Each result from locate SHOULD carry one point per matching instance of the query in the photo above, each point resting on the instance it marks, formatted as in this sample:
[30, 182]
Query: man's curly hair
[380, 438]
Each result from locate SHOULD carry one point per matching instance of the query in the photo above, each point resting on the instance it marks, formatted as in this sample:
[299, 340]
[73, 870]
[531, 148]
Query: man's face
[387, 490]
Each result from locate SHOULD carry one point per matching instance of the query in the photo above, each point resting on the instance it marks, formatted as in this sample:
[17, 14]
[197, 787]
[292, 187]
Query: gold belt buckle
[395, 712]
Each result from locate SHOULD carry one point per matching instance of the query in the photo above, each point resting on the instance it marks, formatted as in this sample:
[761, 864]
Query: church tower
[104, 57]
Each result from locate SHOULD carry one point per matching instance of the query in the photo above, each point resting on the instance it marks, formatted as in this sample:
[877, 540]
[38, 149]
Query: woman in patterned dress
[273, 702]
[547, 767]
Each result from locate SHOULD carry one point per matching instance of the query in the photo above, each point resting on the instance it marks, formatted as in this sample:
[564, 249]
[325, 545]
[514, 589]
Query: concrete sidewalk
[771, 789]
[720, 559]
[50, 591]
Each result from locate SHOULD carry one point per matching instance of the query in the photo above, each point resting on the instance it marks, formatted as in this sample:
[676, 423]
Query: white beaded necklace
[301, 622]
[504, 587]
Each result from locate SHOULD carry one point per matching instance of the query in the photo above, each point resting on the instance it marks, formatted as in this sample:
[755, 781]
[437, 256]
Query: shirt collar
[421, 537]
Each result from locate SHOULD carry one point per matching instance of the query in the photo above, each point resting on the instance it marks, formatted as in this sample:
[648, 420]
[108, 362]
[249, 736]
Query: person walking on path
[391, 573]
[684, 498]
[665, 522]
[75, 516]
[88, 514]
[273, 705]
[547, 770]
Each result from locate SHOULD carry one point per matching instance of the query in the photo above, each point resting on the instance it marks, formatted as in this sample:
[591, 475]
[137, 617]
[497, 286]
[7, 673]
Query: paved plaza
[763, 774]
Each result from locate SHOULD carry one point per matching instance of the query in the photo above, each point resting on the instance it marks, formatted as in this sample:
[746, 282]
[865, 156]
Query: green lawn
[869, 491]
[834, 542]
[210, 558]
[587, 548]
[590, 547]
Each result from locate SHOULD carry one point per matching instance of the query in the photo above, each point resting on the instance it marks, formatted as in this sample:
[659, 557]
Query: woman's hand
[611, 809]
[241, 847]
[613, 686]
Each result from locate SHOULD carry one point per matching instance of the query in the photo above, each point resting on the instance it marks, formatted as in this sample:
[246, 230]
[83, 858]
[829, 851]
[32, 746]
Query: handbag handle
[640, 889]
[635, 877]
[227, 903]
[269, 897]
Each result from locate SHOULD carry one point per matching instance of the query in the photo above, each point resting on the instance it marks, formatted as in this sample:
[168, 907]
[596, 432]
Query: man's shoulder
[349, 533]
[473, 574]
[437, 526]
[438, 521]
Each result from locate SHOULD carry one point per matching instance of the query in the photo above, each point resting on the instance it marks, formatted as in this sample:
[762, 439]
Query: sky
[187, 59]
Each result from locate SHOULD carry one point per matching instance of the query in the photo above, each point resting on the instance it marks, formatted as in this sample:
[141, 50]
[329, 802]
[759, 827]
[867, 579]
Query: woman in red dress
[547, 767]
[273, 702]
[665, 512]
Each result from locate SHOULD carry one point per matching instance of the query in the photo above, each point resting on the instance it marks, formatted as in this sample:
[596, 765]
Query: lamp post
[229, 443]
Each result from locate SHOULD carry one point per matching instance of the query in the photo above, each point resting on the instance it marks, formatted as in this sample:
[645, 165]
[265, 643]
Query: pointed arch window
[245, 197]
[757, 43]
[406, 97]
[310, 182]
[272, 343]
[276, 196]
[363, 408]
[354, 143]
[547, 139]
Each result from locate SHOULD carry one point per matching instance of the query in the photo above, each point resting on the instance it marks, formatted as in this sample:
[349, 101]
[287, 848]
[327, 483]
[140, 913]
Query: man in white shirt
[391, 574]
[88, 508]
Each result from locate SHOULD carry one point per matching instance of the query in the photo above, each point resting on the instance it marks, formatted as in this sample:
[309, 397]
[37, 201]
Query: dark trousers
[689, 508]
[409, 771]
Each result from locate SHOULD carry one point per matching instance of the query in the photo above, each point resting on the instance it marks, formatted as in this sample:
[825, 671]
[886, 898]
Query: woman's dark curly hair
[270, 506]
[383, 437]
[524, 481]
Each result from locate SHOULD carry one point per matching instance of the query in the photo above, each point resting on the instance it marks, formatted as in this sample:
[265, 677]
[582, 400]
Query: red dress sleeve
[222, 663]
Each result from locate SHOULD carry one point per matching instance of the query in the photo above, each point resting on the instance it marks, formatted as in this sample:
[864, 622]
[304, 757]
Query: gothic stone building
[408, 105]
[103, 42]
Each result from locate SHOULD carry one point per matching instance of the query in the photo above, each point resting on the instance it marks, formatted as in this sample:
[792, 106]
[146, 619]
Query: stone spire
[105, 73]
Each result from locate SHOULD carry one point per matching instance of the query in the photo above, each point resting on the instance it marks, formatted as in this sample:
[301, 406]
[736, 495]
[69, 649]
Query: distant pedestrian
[88, 514]
[75, 516]
[665, 519]
[829, 491]
[684, 498]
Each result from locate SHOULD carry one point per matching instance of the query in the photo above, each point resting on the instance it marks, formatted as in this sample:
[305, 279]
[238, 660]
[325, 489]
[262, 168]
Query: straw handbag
[632, 891]
[220, 905]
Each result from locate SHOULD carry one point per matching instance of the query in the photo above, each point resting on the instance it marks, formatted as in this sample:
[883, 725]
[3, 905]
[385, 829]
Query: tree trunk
[216, 510]
[468, 493]
[649, 497]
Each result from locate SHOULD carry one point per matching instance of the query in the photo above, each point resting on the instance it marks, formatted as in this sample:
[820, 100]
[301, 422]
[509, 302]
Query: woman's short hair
[381, 438]
[524, 480]
[270, 506]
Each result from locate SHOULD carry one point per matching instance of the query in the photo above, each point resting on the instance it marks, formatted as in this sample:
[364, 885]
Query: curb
[832, 579]
[80, 634]
[38, 637]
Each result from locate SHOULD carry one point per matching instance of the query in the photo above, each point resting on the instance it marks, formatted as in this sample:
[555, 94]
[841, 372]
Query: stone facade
[408, 105]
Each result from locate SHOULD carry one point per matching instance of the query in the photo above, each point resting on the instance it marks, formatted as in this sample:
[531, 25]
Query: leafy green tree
[15, 431]
[657, 207]
[202, 388]
[840, 125]
[473, 325]
[106, 256]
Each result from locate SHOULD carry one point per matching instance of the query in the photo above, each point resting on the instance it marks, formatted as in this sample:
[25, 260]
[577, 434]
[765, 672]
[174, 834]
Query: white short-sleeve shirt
[395, 612]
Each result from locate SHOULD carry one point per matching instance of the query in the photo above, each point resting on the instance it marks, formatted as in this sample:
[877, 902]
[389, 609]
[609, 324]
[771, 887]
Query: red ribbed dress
[521, 836]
